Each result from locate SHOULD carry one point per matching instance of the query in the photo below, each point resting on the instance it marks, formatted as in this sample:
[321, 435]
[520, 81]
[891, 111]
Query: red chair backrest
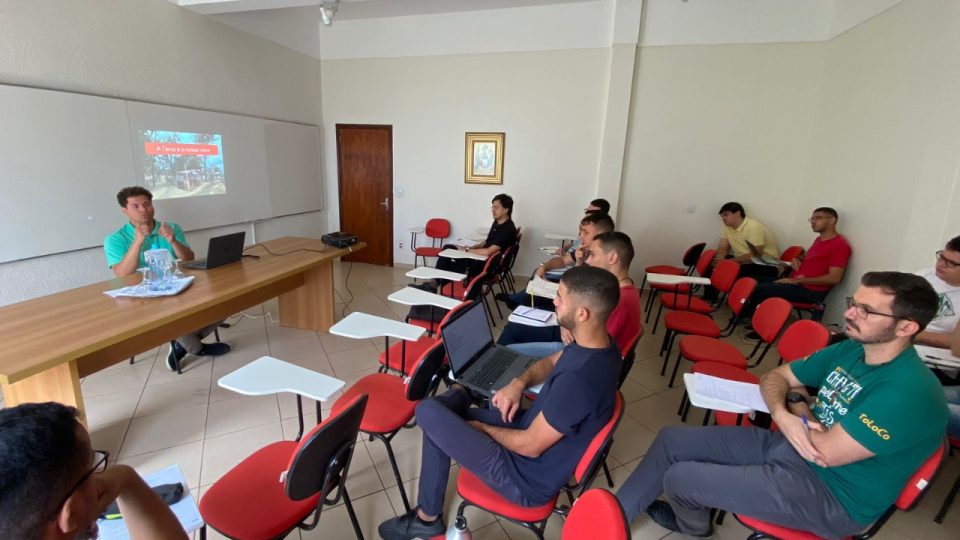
[493, 262]
[474, 288]
[770, 318]
[692, 255]
[801, 339]
[921, 479]
[724, 275]
[596, 514]
[791, 253]
[438, 228]
[741, 290]
[591, 456]
[704, 261]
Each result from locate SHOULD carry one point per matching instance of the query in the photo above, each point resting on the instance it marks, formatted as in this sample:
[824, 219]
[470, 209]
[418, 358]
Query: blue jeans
[788, 291]
[953, 403]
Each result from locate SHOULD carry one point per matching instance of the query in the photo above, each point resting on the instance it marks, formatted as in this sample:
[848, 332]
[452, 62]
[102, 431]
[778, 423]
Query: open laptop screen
[465, 336]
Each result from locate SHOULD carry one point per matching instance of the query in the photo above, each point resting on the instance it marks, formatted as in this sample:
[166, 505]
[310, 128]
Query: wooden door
[365, 172]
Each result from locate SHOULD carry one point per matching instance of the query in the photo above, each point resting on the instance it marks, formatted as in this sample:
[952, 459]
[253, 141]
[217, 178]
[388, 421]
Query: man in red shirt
[814, 274]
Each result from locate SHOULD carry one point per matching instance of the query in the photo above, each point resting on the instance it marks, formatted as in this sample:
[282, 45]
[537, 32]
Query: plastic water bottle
[159, 262]
[458, 530]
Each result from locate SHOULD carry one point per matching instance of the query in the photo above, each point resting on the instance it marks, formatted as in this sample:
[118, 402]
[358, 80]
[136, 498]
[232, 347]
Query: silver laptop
[760, 258]
[223, 250]
[475, 361]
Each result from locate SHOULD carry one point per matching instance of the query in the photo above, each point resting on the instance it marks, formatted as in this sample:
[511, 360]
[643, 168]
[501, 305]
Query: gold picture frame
[484, 158]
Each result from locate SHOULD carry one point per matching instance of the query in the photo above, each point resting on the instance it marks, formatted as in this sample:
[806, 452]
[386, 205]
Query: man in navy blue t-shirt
[525, 455]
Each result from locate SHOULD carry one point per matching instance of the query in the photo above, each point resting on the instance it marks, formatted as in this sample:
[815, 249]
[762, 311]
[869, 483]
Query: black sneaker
[409, 526]
[752, 336]
[662, 513]
[175, 355]
[214, 349]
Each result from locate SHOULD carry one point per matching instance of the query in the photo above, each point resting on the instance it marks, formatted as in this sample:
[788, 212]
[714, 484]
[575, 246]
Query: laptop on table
[223, 250]
[760, 258]
[475, 361]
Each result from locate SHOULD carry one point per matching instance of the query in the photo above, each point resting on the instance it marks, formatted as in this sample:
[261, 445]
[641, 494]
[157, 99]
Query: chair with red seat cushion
[391, 403]
[698, 324]
[700, 268]
[955, 444]
[767, 322]
[801, 339]
[437, 230]
[596, 514]
[689, 260]
[255, 500]
[475, 493]
[722, 279]
[413, 349]
[909, 496]
[721, 371]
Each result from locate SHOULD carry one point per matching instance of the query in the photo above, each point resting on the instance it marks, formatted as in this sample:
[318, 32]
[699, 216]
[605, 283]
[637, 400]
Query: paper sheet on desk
[133, 291]
[185, 509]
[738, 393]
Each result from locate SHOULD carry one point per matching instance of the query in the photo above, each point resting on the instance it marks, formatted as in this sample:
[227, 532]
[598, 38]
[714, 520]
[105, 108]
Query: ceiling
[363, 9]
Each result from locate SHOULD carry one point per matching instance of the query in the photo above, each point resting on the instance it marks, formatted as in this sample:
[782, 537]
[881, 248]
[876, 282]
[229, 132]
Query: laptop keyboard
[494, 368]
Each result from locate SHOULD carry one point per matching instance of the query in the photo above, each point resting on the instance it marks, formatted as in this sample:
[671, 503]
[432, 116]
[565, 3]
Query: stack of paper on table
[176, 287]
[543, 288]
[722, 391]
[529, 316]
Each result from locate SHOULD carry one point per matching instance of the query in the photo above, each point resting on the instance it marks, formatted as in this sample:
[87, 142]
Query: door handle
[386, 203]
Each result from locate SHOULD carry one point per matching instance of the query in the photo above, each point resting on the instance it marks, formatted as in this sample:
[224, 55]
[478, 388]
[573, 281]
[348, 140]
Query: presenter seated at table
[525, 455]
[502, 234]
[832, 469]
[612, 251]
[591, 225]
[124, 250]
[55, 486]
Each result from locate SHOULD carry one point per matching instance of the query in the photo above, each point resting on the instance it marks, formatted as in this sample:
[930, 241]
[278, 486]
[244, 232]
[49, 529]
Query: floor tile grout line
[130, 420]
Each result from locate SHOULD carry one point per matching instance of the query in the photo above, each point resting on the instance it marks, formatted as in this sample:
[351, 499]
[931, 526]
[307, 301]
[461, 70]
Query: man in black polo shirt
[525, 455]
[502, 234]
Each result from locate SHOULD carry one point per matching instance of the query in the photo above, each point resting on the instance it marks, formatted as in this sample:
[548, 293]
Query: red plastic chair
[255, 500]
[472, 292]
[801, 339]
[391, 402]
[698, 324]
[437, 230]
[689, 260]
[475, 493]
[767, 321]
[700, 268]
[596, 514]
[908, 499]
[404, 349]
[722, 279]
[955, 444]
[791, 253]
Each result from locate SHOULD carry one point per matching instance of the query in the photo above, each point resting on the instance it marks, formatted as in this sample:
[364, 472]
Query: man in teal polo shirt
[124, 250]
[878, 413]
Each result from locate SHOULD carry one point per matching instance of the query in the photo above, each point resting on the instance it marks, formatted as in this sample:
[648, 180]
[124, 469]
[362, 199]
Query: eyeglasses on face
[863, 311]
[947, 262]
[100, 458]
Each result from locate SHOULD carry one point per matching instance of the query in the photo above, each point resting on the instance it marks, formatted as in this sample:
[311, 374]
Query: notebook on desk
[475, 361]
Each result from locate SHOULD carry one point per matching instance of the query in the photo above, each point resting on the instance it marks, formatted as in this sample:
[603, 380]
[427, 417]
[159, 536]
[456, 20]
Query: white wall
[550, 104]
[712, 124]
[148, 50]
[886, 145]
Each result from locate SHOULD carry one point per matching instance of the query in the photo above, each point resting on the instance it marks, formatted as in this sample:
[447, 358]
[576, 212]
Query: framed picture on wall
[484, 158]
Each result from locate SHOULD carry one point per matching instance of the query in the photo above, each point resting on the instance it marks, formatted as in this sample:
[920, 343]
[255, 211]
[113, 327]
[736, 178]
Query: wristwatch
[796, 397]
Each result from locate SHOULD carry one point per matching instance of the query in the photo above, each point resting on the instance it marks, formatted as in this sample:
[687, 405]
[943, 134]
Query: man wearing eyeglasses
[53, 485]
[835, 466]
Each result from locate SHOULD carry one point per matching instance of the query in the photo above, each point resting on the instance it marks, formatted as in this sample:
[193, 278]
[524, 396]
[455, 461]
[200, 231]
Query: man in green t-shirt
[124, 251]
[878, 414]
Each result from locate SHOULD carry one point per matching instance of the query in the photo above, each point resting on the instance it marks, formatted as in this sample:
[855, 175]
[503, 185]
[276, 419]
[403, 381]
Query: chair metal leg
[656, 321]
[353, 515]
[706, 416]
[203, 532]
[948, 501]
[396, 470]
[216, 334]
[720, 514]
[676, 367]
[606, 471]
[131, 360]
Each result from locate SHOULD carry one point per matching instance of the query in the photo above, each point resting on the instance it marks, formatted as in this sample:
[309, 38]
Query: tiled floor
[150, 417]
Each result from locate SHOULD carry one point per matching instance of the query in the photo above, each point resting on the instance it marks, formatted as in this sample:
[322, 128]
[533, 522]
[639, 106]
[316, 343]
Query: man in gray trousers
[878, 414]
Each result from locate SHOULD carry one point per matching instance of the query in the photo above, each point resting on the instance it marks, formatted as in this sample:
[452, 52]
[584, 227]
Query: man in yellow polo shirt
[738, 229]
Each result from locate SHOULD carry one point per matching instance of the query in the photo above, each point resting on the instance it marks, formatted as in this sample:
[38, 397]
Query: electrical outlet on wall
[400, 244]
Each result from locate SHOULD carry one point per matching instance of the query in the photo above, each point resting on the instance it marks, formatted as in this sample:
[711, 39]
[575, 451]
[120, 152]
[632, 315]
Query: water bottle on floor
[458, 530]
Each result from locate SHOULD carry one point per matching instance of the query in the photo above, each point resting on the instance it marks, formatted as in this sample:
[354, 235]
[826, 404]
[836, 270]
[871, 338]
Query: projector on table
[339, 239]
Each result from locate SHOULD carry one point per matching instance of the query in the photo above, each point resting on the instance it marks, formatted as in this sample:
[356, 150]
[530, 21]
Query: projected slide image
[178, 164]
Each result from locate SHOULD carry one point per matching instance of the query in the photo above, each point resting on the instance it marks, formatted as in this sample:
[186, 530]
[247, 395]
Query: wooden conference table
[49, 343]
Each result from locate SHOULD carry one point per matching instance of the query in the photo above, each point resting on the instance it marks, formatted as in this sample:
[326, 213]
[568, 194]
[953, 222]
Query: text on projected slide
[179, 164]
